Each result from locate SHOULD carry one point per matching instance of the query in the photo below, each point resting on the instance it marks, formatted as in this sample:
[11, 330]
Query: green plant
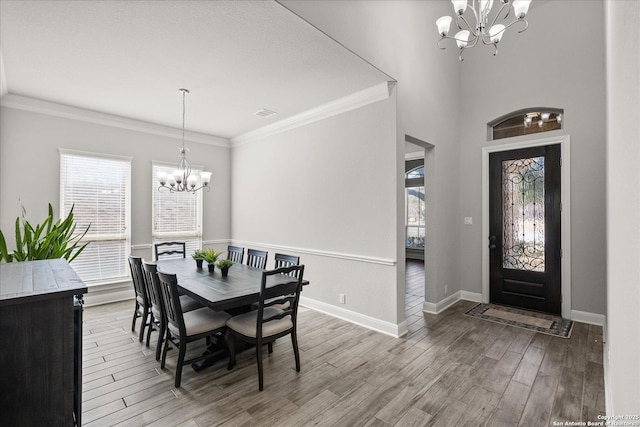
[210, 255]
[48, 240]
[224, 263]
[198, 255]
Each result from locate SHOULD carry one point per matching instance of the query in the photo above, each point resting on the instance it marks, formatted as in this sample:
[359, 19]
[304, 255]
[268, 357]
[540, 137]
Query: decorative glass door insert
[523, 214]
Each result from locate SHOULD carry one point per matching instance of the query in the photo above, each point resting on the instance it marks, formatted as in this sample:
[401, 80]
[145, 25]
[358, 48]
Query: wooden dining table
[240, 288]
[234, 293]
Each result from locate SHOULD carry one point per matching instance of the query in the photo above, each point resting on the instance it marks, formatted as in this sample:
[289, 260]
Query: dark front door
[524, 228]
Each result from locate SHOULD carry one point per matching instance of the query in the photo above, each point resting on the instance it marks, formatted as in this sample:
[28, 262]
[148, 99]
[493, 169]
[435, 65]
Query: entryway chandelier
[182, 179]
[489, 34]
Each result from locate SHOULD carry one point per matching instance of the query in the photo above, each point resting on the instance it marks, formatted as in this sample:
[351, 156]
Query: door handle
[492, 239]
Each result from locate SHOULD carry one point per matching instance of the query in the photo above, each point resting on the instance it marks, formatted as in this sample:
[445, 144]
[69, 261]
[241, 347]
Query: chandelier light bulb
[192, 181]
[162, 178]
[206, 177]
[462, 38]
[496, 32]
[520, 8]
[171, 180]
[443, 23]
[459, 6]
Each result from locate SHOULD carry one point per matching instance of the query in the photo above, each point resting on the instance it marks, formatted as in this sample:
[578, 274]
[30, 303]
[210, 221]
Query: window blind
[98, 188]
[176, 216]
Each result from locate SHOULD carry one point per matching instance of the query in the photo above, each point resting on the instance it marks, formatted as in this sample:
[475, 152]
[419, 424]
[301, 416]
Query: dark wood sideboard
[41, 344]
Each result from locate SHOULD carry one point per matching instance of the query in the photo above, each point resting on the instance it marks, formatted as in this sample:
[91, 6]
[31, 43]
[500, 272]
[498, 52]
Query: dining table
[234, 293]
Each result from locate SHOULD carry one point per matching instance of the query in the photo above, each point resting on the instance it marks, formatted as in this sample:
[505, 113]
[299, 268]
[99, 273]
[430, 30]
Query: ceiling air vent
[265, 113]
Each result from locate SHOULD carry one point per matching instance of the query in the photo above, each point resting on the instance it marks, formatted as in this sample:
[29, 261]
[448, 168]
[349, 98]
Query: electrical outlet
[343, 299]
[446, 289]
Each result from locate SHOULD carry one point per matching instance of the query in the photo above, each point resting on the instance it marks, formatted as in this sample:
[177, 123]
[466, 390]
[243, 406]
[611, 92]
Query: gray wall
[554, 63]
[326, 191]
[399, 38]
[30, 169]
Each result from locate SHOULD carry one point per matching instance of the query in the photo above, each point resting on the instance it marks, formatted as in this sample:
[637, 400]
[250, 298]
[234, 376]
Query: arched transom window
[525, 122]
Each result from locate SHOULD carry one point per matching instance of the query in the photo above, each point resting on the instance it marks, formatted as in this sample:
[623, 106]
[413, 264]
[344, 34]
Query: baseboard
[369, 322]
[471, 296]
[586, 317]
[442, 305]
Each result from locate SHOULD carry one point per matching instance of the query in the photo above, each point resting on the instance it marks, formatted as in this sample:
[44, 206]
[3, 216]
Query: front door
[524, 228]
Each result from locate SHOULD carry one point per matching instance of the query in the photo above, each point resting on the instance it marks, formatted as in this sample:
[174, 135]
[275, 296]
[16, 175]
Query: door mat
[538, 322]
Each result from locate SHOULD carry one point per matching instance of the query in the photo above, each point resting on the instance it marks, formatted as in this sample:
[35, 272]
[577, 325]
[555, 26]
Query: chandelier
[181, 179]
[469, 36]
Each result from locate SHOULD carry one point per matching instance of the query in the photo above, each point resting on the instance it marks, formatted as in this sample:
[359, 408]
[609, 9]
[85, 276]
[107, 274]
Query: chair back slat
[278, 294]
[256, 258]
[167, 250]
[283, 260]
[135, 264]
[150, 273]
[171, 300]
[235, 254]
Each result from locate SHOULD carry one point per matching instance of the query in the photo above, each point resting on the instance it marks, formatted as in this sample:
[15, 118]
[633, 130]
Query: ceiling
[129, 58]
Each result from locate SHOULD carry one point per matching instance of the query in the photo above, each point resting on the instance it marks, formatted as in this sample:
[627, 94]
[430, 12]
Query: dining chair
[143, 305]
[282, 260]
[183, 328]
[168, 250]
[267, 323]
[235, 254]
[256, 258]
[159, 319]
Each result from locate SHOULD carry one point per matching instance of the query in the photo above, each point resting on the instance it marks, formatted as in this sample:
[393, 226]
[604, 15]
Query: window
[525, 122]
[98, 187]
[414, 204]
[176, 216]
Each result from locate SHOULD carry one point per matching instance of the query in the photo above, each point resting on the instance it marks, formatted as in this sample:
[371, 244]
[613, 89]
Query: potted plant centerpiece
[210, 255]
[224, 265]
[198, 256]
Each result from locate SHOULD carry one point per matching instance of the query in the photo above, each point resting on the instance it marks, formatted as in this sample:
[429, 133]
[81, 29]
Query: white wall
[326, 191]
[555, 63]
[399, 38]
[30, 169]
[622, 364]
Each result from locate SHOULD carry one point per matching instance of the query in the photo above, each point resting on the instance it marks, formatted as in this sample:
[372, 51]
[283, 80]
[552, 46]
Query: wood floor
[450, 370]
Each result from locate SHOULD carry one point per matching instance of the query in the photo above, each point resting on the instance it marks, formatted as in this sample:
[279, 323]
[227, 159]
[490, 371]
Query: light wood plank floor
[450, 370]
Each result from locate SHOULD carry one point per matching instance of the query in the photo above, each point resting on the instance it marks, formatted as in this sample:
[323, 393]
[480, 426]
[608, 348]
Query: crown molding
[367, 96]
[40, 106]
